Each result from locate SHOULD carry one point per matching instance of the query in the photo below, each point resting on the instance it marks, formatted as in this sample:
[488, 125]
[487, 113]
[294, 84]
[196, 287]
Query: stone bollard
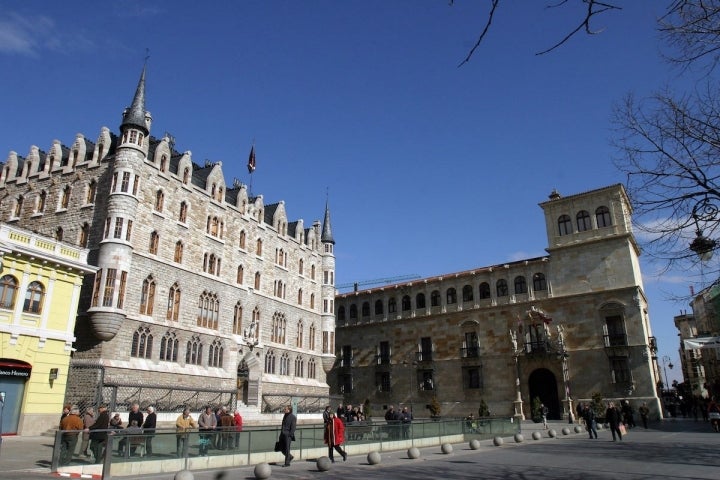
[374, 458]
[474, 444]
[498, 441]
[552, 433]
[578, 429]
[262, 471]
[565, 431]
[519, 438]
[413, 453]
[446, 448]
[537, 435]
[184, 475]
[323, 464]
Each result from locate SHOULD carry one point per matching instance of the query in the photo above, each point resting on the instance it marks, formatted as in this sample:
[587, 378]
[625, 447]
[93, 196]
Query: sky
[428, 168]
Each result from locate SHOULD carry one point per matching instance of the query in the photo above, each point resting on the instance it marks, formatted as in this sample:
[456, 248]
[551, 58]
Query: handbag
[277, 447]
[622, 429]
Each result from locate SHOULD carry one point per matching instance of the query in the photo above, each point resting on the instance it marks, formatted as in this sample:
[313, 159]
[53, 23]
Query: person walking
[644, 412]
[544, 413]
[88, 420]
[183, 424]
[287, 434]
[207, 423]
[334, 437]
[628, 414]
[149, 426]
[588, 414]
[406, 419]
[98, 433]
[71, 425]
[613, 417]
[238, 426]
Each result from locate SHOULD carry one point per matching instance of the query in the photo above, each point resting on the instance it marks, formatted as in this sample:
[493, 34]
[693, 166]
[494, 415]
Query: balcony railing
[470, 352]
[616, 340]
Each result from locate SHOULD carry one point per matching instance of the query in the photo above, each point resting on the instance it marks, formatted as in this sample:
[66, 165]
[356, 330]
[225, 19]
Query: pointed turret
[326, 236]
[135, 115]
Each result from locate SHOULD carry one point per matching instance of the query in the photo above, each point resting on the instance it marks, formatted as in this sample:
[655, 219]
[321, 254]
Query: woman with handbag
[335, 436]
[613, 417]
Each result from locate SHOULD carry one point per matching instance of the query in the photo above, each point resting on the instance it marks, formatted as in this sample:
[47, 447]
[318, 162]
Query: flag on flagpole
[251, 160]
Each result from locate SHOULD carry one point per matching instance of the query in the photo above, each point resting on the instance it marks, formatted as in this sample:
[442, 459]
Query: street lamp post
[411, 365]
[563, 355]
[518, 403]
[666, 360]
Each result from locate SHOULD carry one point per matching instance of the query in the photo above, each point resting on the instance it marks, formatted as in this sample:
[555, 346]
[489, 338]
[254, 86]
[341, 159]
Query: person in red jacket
[238, 427]
[335, 436]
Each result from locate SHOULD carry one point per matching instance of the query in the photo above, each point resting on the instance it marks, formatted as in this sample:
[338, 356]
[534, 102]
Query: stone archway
[249, 374]
[543, 385]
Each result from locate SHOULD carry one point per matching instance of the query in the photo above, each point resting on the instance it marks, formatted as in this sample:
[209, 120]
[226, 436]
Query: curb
[77, 475]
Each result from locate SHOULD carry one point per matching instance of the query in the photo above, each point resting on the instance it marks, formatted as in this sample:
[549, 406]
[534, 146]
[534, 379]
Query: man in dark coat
[613, 417]
[98, 433]
[287, 434]
[149, 426]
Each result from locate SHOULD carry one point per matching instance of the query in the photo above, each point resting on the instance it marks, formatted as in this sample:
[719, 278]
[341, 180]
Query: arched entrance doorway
[543, 385]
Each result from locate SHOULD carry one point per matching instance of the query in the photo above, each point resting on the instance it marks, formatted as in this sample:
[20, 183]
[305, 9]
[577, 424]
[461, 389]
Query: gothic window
[154, 241]
[65, 197]
[193, 354]
[520, 285]
[182, 217]
[42, 200]
[34, 297]
[564, 225]
[242, 239]
[208, 310]
[435, 298]
[84, 235]
[147, 296]
[365, 309]
[284, 364]
[300, 296]
[159, 201]
[257, 281]
[186, 175]
[602, 217]
[583, 221]
[240, 274]
[539, 282]
[484, 290]
[392, 306]
[312, 272]
[215, 354]
[451, 296]
[109, 290]
[420, 300]
[405, 303]
[141, 343]
[311, 337]
[8, 291]
[299, 367]
[378, 307]
[169, 347]
[90, 193]
[211, 264]
[300, 332]
[270, 362]
[311, 368]
[163, 163]
[467, 293]
[301, 264]
[259, 247]
[501, 288]
[237, 319]
[312, 300]
[179, 248]
[173, 305]
[279, 327]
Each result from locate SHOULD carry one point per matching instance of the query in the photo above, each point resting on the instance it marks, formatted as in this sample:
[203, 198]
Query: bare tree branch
[484, 32]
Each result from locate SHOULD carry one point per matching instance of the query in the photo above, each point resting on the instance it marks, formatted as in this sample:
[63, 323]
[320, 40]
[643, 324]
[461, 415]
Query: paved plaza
[672, 449]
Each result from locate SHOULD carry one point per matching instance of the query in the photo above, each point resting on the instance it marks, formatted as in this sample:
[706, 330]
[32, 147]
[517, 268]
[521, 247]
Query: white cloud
[30, 35]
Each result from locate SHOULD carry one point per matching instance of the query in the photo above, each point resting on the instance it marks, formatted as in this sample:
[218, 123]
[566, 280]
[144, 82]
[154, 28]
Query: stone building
[558, 328]
[40, 281]
[700, 342]
[202, 288]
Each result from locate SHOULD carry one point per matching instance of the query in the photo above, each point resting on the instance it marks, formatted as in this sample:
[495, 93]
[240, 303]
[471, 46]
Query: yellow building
[40, 280]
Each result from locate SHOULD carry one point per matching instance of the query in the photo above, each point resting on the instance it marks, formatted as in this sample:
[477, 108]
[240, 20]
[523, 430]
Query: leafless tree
[691, 28]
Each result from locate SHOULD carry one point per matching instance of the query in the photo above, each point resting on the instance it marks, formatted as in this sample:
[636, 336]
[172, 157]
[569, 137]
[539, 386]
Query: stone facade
[196, 280]
[575, 321]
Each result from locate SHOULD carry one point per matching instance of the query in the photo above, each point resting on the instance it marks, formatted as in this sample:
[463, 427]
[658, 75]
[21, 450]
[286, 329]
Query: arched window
[84, 235]
[258, 248]
[299, 367]
[208, 310]
[341, 313]
[257, 280]
[8, 291]
[300, 333]
[173, 306]
[242, 239]
[451, 296]
[159, 201]
[520, 285]
[301, 264]
[583, 221]
[163, 163]
[539, 282]
[300, 296]
[65, 197]
[270, 362]
[179, 247]
[378, 307]
[311, 368]
[278, 329]
[502, 288]
[141, 343]
[284, 364]
[311, 337]
[41, 201]
[154, 242]
[215, 354]
[602, 217]
[186, 175]
[182, 217]
[467, 293]
[90, 193]
[353, 312]
[193, 354]
[435, 298]
[420, 300]
[237, 319]
[240, 274]
[312, 300]
[405, 303]
[484, 290]
[34, 297]
[147, 296]
[312, 272]
[392, 306]
[564, 225]
[169, 347]
[365, 309]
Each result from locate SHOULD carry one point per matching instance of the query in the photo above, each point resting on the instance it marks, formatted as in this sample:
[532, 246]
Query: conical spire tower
[135, 115]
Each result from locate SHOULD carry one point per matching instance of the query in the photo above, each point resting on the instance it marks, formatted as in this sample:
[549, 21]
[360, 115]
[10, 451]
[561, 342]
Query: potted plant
[434, 408]
[483, 411]
[536, 410]
[367, 410]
